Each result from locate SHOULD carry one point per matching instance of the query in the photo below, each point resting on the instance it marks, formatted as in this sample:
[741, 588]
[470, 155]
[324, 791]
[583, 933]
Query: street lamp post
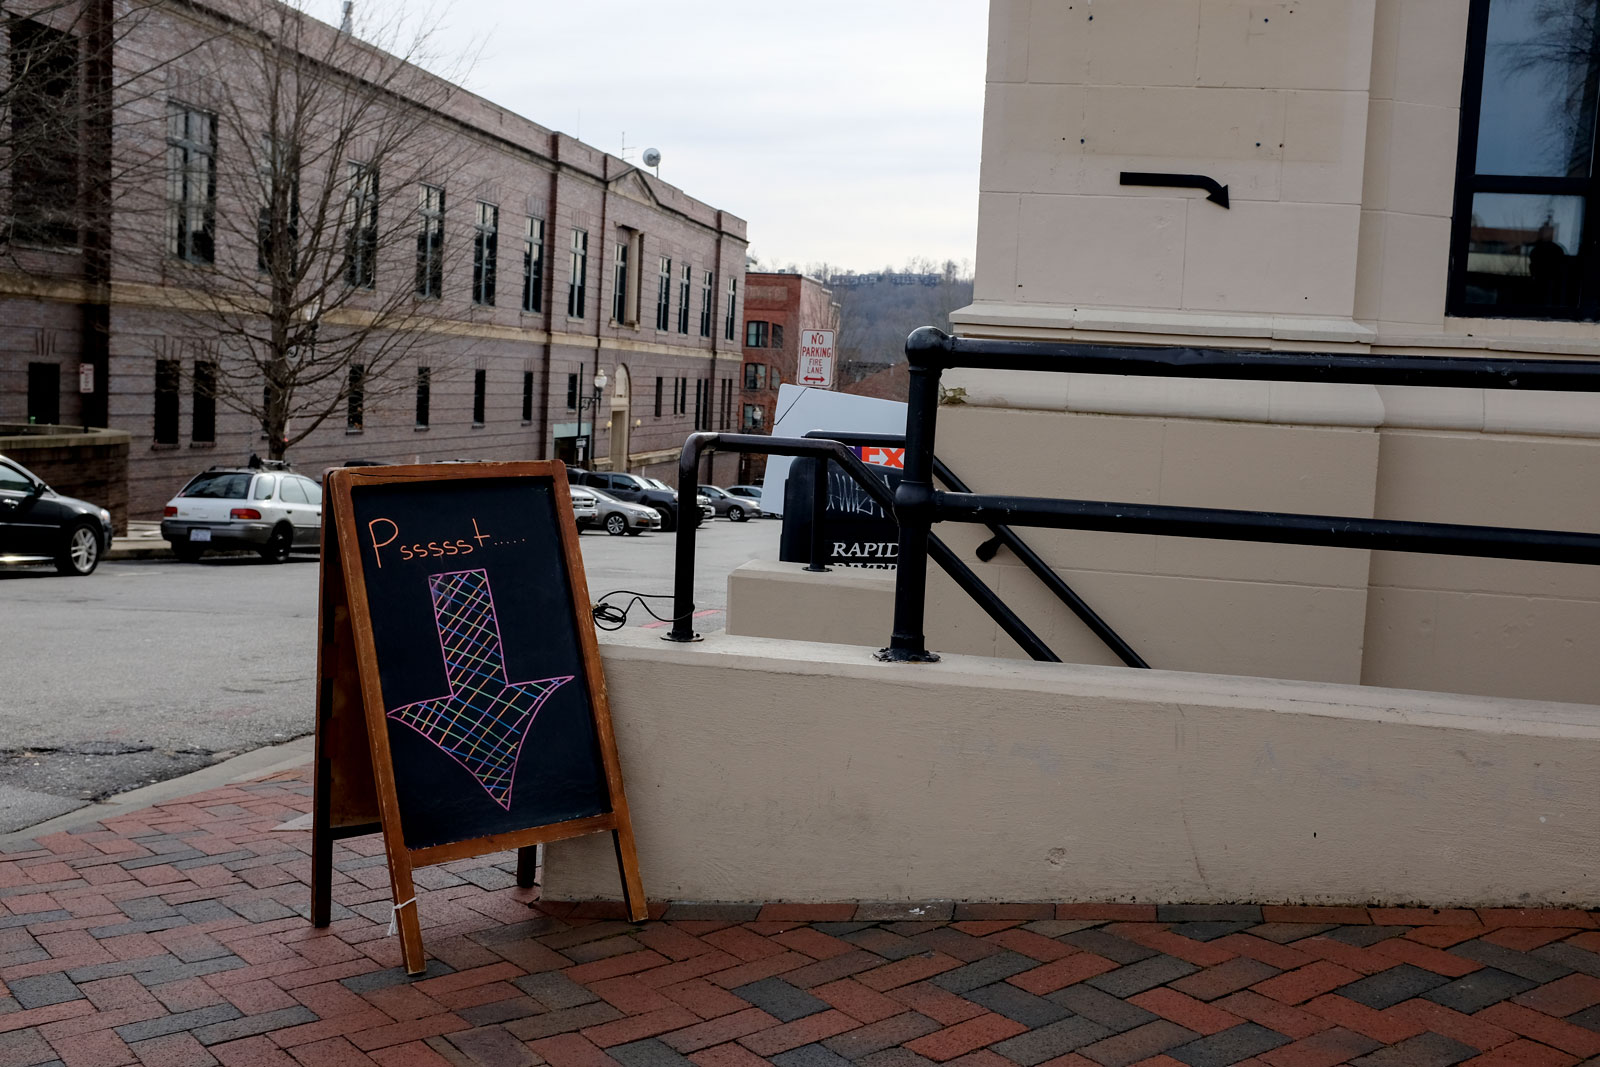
[593, 403]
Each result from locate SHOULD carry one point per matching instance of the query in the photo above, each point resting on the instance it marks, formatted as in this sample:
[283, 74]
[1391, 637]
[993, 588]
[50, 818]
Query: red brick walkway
[177, 937]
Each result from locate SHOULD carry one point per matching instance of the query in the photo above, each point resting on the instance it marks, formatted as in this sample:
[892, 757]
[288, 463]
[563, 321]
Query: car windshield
[712, 491]
[657, 483]
[219, 485]
[601, 493]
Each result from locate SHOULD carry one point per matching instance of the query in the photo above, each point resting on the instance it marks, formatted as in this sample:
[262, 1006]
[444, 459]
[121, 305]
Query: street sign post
[816, 358]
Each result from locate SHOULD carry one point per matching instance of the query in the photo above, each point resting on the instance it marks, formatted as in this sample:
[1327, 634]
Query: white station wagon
[273, 512]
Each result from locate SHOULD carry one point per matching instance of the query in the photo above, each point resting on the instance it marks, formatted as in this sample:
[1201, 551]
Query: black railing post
[913, 499]
[819, 504]
[688, 522]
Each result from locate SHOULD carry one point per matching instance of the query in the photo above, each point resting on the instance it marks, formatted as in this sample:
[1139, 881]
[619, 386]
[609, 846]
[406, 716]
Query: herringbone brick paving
[178, 937]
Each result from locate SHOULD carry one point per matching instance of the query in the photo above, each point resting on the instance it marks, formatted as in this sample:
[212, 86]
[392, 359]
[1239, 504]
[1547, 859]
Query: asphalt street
[150, 669]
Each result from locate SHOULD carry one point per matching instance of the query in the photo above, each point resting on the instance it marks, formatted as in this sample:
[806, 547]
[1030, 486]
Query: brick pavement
[177, 937]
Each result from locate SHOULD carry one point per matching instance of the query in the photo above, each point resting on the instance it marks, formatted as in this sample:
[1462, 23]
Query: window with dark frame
[203, 418]
[755, 334]
[664, 296]
[424, 396]
[683, 299]
[754, 418]
[168, 374]
[480, 389]
[572, 392]
[755, 376]
[485, 251]
[356, 399]
[361, 238]
[527, 397]
[708, 282]
[578, 281]
[680, 398]
[44, 151]
[727, 402]
[700, 404]
[730, 318]
[777, 336]
[533, 266]
[430, 241]
[1524, 232]
[191, 184]
[44, 393]
[619, 287]
[278, 223]
[660, 381]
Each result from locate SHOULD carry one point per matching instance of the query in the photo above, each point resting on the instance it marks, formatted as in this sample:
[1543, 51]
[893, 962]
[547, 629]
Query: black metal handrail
[833, 451]
[917, 504]
[1003, 535]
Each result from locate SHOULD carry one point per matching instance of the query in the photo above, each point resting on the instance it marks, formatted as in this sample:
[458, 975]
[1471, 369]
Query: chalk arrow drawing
[484, 719]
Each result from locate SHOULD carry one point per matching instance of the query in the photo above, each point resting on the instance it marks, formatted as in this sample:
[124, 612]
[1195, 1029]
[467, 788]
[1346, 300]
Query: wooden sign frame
[355, 790]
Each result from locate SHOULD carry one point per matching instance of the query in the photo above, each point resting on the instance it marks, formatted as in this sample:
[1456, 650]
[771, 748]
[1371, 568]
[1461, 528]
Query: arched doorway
[621, 419]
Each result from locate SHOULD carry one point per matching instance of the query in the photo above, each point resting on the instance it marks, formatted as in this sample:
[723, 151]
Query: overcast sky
[844, 131]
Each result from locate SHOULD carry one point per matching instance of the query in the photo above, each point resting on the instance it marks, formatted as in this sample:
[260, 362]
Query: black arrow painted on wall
[1216, 192]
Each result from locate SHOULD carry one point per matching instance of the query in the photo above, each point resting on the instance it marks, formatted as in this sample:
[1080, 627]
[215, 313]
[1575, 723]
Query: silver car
[737, 508]
[273, 512]
[618, 517]
[585, 506]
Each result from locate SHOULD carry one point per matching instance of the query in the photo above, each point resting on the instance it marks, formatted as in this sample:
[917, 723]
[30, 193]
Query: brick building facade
[601, 267]
[777, 307]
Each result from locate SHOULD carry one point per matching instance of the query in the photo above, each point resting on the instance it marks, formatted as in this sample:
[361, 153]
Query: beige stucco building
[1404, 176]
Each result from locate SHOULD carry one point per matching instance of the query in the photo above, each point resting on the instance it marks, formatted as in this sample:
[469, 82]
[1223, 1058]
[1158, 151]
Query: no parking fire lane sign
[816, 358]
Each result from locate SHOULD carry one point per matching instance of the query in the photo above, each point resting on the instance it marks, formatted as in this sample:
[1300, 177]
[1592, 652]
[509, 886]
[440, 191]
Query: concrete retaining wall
[770, 770]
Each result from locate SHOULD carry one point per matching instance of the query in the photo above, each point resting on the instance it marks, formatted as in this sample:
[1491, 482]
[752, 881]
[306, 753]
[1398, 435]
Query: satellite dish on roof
[652, 158]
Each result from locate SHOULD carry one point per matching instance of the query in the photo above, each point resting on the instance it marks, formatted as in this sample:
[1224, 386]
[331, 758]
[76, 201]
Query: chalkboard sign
[486, 723]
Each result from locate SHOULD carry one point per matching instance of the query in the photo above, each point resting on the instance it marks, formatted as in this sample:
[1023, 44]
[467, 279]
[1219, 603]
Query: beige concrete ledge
[770, 770]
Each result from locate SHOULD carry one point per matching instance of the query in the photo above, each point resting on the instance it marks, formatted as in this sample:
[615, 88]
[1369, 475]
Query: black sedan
[39, 525]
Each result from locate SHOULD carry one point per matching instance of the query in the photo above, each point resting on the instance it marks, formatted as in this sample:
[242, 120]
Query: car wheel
[185, 551]
[736, 514]
[80, 552]
[276, 550]
[616, 525]
[667, 525]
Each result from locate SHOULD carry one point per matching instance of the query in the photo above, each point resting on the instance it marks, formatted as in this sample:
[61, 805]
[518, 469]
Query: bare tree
[306, 194]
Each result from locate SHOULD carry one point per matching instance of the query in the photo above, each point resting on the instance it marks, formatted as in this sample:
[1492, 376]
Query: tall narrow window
[619, 288]
[430, 241]
[702, 404]
[278, 224]
[579, 280]
[166, 398]
[480, 387]
[43, 149]
[729, 323]
[708, 281]
[191, 184]
[356, 399]
[203, 422]
[527, 397]
[572, 392]
[664, 296]
[361, 219]
[424, 396]
[533, 266]
[777, 336]
[727, 402]
[659, 381]
[683, 298]
[1527, 189]
[755, 376]
[680, 400]
[44, 393]
[485, 242]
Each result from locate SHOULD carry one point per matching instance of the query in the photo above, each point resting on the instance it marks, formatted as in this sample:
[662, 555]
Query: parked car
[754, 492]
[39, 525]
[707, 511]
[632, 489]
[736, 508]
[585, 506]
[271, 511]
[618, 517]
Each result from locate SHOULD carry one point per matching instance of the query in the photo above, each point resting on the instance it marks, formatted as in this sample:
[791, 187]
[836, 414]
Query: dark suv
[636, 490]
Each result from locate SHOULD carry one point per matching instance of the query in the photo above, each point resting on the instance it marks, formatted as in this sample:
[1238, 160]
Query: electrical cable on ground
[610, 617]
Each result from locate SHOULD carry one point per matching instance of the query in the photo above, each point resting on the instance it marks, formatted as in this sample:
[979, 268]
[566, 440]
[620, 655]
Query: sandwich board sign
[461, 706]
[816, 358]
